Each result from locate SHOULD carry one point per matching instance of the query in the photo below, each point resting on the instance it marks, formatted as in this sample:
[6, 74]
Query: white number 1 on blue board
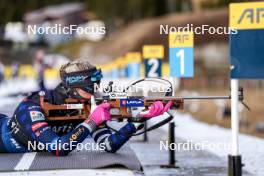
[180, 54]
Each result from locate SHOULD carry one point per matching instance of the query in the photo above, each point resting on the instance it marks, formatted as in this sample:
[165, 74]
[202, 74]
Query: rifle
[121, 107]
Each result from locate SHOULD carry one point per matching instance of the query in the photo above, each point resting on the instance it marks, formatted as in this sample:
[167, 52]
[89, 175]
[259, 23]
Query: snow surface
[14, 86]
[251, 148]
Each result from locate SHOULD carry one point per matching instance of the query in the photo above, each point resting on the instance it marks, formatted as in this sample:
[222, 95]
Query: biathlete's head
[81, 78]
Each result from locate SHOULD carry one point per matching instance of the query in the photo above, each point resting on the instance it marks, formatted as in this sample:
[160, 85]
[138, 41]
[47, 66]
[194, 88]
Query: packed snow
[193, 131]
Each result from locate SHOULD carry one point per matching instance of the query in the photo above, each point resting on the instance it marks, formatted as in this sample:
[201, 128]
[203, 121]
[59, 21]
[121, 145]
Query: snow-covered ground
[218, 141]
[189, 129]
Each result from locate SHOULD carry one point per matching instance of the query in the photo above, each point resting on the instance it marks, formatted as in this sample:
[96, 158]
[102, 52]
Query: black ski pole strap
[153, 127]
[157, 125]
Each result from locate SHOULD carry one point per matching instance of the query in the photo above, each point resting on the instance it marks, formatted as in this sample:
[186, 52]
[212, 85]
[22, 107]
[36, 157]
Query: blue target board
[153, 56]
[247, 44]
[181, 55]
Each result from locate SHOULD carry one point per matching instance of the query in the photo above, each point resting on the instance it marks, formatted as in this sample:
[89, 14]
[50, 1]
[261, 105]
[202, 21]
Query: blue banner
[247, 54]
[133, 70]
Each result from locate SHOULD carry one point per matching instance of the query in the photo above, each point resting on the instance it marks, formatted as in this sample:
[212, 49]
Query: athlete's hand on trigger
[156, 109]
[99, 114]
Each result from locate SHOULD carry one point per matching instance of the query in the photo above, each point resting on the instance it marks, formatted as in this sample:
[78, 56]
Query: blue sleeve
[32, 120]
[115, 141]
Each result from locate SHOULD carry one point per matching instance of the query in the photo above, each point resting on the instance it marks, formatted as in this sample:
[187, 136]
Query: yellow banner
[7, 72]
[120, 62]
[165, 69]
[27, 71]
[180, 39]
[133, 57]
[107, 67]
[51, 73]
[153, 51]
[249, 15]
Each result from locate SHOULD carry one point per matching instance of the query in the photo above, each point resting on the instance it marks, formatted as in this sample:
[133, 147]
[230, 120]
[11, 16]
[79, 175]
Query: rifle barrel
[206, 97]
[179, 97]
[191, 97]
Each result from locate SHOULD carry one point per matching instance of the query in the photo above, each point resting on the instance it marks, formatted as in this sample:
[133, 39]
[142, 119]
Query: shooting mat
[82, 159]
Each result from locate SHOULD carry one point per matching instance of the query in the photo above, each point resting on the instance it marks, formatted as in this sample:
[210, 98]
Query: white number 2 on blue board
[154, 65]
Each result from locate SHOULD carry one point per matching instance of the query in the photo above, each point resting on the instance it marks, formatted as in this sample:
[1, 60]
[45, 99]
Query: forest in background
[114, 13]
